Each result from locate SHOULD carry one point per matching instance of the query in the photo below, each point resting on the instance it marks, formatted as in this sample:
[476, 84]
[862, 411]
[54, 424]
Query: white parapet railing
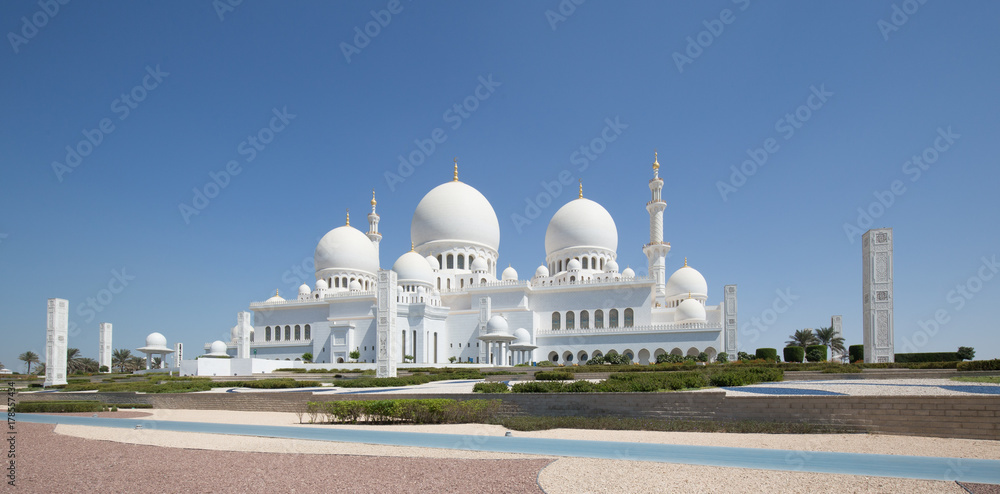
[652, 328]
[277, 303]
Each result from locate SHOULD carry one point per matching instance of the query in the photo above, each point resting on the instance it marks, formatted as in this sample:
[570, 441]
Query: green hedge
[646, 382]
[746, 376]
[857, 353]
[979, 365]
[769, 354]
[927, 357]
[490, 387]
[59, 406]
[794, 354]
[816, 351]
[556, 375]
[431, 411]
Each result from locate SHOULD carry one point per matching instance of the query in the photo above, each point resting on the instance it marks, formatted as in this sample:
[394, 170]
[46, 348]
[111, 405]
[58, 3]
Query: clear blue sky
[557, 79]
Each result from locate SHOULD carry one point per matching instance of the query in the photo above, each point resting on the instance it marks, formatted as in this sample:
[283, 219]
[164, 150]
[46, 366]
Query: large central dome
[581, 223]
[455, 212]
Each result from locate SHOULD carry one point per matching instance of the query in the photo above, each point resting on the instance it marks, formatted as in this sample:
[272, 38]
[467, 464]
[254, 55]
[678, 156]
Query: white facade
[104, 346]
[876, 262]
[448, 303]
[56, 341]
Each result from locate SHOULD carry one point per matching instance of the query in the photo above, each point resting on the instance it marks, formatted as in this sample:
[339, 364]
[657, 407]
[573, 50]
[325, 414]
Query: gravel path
[887, 387]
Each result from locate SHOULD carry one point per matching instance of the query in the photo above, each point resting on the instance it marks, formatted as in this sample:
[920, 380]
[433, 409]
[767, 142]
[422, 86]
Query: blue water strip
[913, 467]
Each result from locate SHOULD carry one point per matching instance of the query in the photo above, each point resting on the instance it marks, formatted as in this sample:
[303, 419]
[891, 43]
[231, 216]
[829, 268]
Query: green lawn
[978, 379]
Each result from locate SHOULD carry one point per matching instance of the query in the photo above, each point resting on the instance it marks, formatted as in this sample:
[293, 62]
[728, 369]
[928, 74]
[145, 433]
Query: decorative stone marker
[56, 336]
[104, 346]
[385, 355]
[876, 266]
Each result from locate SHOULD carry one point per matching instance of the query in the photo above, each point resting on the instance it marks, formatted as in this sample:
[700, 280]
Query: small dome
[346, 248]
[355, 286]
[521, 337]
[479, 265]
[413, 268]
[690, 310]
[156, 340]
[321, 285]
[542, 272]
[399, 290]
[435, 265]
[509, 274]
[611, 266]
[304, 289]
[684, 281]
[496, 325]
[629, 273]
[275, 298]
[234, 332]
[218, 348]
[581, 223]
[574, 265]
[421, 290]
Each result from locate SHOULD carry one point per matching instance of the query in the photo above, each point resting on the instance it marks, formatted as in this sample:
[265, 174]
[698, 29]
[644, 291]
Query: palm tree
[29, 358]
[119, 358]
[136, 363]
[828, 336]
[157, 363]
[73, 360]
[802, 338]
[89, 365]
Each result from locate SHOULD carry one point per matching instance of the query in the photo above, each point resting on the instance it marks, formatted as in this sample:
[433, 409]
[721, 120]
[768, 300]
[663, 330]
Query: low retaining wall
[969, 417]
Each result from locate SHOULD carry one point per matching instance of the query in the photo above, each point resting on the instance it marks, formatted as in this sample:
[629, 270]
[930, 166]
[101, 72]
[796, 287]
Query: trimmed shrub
[857, 353]
[979, 365]
[490, 387]
[904, 358]
[722, 358]
[537, 387]
[745, 376]
[58, 406]
[744, 357]
[769, 354]
[842, 369]
[794, 354]
[558, 375]
[816, 353]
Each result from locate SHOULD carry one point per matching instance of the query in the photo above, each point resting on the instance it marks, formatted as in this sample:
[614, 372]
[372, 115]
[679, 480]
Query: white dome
[412, 267]
[628, 273]
[574, 265]
[345, 247]
[355, 286]
[496, 325]
[521, 337]
[156, 340]
[304, 289]
[690, 310]
[684, 281]
[275, 298]
[611, 266]
[321, 284]
[581, 223]
[435, 265]
[218, 348]
[479, 265]
[456, 212]
[509, 274]
[542, 272]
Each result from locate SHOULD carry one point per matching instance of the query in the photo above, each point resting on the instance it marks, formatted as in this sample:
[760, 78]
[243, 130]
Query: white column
[56, 341]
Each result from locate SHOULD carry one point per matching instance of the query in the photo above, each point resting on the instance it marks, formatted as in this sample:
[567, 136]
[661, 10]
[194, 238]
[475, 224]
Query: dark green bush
[556, 375]
[842, 369]
[794, 354]
[745, 376]
[816, 353]
[744, 357]
[904, 358]
[979, 365]
[856, 353]
[769, 354]
[490, 387]
[277, 383]
[58, 406]
[537, 387]
[431, 411]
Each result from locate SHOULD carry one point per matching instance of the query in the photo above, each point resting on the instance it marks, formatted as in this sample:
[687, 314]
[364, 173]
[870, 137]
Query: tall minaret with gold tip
[656, 250]
[373, 218]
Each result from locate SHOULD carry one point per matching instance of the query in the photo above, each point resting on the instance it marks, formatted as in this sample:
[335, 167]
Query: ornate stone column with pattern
[876, 267]
[385, 363]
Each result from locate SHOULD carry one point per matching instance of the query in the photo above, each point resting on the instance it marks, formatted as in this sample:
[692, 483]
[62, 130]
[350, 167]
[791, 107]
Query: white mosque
[451, 305]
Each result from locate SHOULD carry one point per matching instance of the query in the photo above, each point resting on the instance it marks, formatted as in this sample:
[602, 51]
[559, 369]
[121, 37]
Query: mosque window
[267, 333]
[555, 320]
[613, 318]
[461, 283]
[440, 261]
[439, 283]
[451, 261]
[584, 319]
[461, 261]
[585, 262]
[570, 320]
[449, 283]
[308, 332]
[482, 281]
[599, 319]
[628, 317]
[602, 264]
[298, 332]
[572, 279]
[277, 333]
[560, 267]
[288, 332]
[343, 282]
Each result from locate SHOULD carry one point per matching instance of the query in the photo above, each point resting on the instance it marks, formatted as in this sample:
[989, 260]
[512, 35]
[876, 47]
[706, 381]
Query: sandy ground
[554, 475]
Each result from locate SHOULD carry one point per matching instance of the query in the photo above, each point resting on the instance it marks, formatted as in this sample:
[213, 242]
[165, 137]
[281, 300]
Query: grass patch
[978, 379]
[429, 411]
[535, 423]
[59, 406]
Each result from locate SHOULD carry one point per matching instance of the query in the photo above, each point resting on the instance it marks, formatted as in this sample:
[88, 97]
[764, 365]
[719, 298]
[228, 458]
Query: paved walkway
[912, 467]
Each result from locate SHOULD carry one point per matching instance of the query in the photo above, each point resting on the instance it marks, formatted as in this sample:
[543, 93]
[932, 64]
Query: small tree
[722, 358]
[408, 358]
[802, 338]
[103, 368]
[452, 359]
[744, 357]
[966, 353]
[307, 357]
[120, 358]
[29, 358]
[355, 354]
[827, 336]
[703, 357]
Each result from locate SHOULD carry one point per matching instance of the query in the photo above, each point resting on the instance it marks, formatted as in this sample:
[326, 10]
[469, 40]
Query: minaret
[373, 233]
[656, 250]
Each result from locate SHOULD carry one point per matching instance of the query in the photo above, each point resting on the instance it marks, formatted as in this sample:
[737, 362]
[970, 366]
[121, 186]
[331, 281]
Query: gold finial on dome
[373, 197]
[685, 262]
[275, 292]
[411, 246]
[689, 294]
[348, 216]
[656, 160]
[581, 188]
[456, 169]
